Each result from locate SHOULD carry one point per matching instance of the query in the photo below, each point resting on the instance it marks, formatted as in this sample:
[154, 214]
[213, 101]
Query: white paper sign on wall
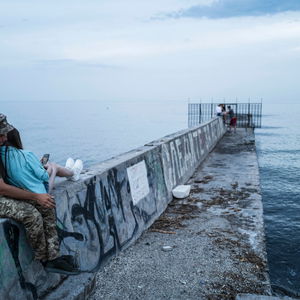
[138, 181]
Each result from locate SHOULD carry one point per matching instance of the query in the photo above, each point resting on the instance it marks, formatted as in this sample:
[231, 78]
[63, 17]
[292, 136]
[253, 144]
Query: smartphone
[45, 159]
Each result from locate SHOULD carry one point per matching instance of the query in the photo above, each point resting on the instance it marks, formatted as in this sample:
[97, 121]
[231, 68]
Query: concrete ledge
[214, 237]
[74, 288]
[108, 209]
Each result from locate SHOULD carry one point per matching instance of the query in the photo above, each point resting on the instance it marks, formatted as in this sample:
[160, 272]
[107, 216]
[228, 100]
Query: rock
[181, 191]
[167, 248]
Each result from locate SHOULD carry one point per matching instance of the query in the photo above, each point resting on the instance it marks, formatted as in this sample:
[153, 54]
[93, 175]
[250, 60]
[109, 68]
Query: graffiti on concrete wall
[186, 152]
[91, 234]
[183, 154]
[103, 214]
[107, 214]
[11, 234]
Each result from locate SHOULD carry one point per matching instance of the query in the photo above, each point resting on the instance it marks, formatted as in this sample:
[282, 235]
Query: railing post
[248, 125]
[199, 112]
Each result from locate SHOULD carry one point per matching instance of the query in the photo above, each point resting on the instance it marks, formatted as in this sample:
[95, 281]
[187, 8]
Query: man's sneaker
[77, 168]
[70, 163]
[70, 259]
[60, 265]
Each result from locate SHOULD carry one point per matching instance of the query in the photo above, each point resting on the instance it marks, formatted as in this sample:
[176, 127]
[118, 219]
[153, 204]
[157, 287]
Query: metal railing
[247, 114]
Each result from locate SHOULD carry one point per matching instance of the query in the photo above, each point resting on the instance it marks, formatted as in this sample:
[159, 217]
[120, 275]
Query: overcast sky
[149, 50]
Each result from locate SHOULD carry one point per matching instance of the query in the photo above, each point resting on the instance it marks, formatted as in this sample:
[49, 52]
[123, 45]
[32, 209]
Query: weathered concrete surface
[74, 287]
[104, 212]
[216, 235]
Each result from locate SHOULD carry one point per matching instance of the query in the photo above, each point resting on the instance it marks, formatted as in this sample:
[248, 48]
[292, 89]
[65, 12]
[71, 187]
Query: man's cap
[5, 127]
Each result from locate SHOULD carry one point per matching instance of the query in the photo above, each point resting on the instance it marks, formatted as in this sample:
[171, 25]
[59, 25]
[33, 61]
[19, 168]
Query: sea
[96, 131]
[278, 149]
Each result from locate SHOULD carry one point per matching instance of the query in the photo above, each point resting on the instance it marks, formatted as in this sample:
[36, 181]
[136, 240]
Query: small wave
[266, 134]
[284, 291]
[280, 151]
[271, 127]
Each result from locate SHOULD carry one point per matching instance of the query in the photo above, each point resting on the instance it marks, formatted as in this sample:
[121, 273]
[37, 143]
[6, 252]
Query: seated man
[37, 213]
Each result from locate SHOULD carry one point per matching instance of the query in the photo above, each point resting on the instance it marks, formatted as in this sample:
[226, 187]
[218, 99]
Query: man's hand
[10, 191]
[45, 200]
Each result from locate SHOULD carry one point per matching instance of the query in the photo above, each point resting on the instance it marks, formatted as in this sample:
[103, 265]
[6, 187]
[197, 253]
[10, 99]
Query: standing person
[223, 108]
[36, 211]
[232, 117]
[219, 110]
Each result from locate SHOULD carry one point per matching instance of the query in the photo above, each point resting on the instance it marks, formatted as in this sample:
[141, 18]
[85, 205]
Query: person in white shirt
[219, 110]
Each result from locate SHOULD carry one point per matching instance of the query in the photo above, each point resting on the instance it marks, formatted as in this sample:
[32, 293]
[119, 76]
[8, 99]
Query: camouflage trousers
[39, 223]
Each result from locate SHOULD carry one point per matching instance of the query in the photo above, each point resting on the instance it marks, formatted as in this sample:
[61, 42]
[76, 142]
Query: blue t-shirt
[24, 170]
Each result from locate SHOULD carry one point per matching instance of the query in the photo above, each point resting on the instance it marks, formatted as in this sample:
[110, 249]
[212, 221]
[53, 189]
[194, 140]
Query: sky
[171, 50]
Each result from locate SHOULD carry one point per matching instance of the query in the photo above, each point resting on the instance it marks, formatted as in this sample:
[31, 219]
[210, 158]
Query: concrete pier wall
[108, 209]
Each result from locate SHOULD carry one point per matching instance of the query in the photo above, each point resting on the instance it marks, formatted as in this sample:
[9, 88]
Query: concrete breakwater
[107, 210]
[207, 246]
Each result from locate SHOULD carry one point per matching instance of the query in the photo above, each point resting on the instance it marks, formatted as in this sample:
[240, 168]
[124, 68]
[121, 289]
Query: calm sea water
[278, 149]
[95, 131]
[92, 131]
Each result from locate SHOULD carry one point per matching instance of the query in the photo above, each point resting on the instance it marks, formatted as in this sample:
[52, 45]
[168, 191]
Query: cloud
[65, 63]
[237, 8]
[107, 50]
